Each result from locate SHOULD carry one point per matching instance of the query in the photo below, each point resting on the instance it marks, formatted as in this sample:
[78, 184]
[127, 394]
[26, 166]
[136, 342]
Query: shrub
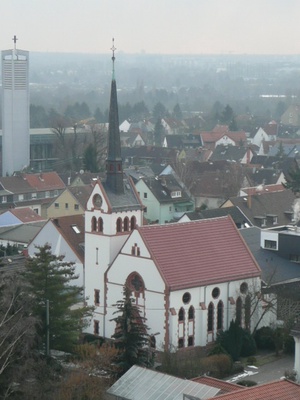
[264, 338]
[251, 360]
[218, 365]
[232, 340]
[217, 349]
[289, 344]
[248, 344]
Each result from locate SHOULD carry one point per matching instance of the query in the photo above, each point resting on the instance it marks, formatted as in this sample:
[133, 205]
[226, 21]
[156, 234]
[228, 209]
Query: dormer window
[176, 193]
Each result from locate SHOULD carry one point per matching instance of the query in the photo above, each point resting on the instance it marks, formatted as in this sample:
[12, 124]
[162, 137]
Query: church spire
[114, 169]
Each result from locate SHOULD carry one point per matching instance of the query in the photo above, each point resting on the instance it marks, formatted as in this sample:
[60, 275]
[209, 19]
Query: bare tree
[17, 327]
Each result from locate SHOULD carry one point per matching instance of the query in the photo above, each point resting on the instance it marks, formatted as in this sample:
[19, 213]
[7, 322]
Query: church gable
[98, 199]
[135, 246]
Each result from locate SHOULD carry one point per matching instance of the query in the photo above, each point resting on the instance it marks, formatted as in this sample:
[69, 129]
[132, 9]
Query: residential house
[65, 235]
[19, 216]
[266, 209]
[291, 117]
[70, 202]
[147, 155]
[164, 198]
[263, 135]
[80, 178]
[173, 126]
[30, 190]
[240, 220]
[232, 153]
[19, 235]
[218, 136]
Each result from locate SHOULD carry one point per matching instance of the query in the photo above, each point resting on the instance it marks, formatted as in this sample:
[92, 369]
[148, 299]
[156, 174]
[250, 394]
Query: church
[189, 279]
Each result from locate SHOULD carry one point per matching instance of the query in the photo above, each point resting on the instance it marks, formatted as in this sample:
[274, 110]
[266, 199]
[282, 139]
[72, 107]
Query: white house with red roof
[65, 235]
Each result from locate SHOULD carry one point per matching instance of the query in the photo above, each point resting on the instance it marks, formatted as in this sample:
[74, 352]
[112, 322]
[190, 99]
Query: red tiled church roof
[199, 252]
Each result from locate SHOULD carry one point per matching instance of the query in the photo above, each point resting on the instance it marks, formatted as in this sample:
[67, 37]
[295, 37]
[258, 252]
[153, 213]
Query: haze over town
[161, 27]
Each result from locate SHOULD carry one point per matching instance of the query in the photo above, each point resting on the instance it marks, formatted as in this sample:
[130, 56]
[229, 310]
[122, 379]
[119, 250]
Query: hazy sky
[153, 26]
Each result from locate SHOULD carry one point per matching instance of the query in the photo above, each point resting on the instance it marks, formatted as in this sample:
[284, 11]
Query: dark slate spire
[114, 169]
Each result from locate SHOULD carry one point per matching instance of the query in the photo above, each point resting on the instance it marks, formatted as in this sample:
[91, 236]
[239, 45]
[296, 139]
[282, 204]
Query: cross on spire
[113, 49]
[15, 40]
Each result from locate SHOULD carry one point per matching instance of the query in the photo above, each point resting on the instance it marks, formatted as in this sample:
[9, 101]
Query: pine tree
[131, 337]
[50, 278]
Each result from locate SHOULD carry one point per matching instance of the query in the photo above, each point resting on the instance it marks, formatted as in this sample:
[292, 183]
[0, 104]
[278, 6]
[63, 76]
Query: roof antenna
[113, 49]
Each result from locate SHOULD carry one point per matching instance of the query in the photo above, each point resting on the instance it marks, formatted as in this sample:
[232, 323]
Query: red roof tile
[225, 387]
[279, 390]
[26, 215]
[44, 181]
[199, 252]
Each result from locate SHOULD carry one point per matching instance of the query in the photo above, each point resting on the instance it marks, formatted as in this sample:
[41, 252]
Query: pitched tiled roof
[81, 193]
[199, 253]
[238, 217]
[279, 390]
[44, 181]
[15, 184]
[25, 215]
[75, 237]
[265, 205]
[225, 387]
[229, 153]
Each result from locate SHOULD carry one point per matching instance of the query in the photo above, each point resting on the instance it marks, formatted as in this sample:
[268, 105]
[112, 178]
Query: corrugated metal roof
[141, 383]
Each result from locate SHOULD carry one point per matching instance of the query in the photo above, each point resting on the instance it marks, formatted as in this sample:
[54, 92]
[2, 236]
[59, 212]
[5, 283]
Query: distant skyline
[152, 26]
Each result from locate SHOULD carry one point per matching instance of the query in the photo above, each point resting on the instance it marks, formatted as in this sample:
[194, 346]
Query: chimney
[249, 200]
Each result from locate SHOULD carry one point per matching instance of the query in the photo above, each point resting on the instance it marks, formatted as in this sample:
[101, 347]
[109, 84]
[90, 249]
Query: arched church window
[247, 312]
[126, 224]
[239, 306]
[181, 314]
[135, 283]
[94, 224]
[119, 225]
[220, 312]
[100, 224]
[191, 313]
[132, 223]
[210, 317]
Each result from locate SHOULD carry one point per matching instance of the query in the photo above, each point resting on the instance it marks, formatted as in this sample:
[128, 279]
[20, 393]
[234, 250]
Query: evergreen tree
[158, 133]
[131, 337]
[293, 180]
[177, 113]
[50, 279]
[90, 159]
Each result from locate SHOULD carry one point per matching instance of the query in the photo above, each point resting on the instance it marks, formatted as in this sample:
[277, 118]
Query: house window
[33, 195]
[36, 210]
[176, 193]
[180, 343]
[76, 206]
[239, 306]
[271, 244]
[210, 317]
[97, 297]
[145, 209]
[47, 194]
[96, 327]
[119, 225]
[21, 197]
[191, 341]
[145, 195]
[66, 206]
[56, 205]
[4, 199]
[295, 258]
[220, 312]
